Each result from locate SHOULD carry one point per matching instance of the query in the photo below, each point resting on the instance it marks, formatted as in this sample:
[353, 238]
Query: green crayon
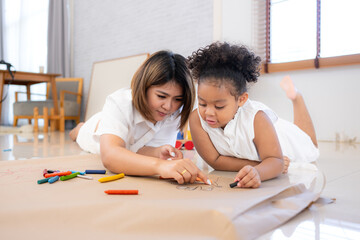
[64, 178]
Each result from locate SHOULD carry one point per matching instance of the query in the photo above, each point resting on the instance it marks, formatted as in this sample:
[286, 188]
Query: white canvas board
[109, 76]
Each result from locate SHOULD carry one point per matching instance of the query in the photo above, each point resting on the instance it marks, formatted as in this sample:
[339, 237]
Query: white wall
[110, 29]
[331, 94]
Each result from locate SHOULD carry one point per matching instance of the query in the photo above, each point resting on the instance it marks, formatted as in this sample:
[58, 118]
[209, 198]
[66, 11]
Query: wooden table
[27, 79]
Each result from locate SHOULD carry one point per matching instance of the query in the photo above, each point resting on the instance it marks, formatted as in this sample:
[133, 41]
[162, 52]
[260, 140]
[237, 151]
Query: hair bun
[225, 57]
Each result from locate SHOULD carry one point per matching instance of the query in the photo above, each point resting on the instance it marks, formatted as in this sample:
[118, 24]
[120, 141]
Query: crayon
[7, 150]
[81, 173]
[53, 179]
[111, 178]
[41, 181]
[95, 171]
[57, 174]
[52, 171]
[67, 177]
[234, 184]
[45, 172]
[85, 177]
[122, 192]
[209, 182]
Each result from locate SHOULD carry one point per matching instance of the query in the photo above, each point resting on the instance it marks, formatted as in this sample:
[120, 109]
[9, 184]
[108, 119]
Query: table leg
[28, 95]
[55, 99]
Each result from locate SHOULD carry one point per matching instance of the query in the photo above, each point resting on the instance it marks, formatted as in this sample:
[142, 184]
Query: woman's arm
[208, 152]
[163, 152]
[118, 159]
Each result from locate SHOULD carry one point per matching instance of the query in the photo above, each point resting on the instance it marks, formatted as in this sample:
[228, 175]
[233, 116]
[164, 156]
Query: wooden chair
[70, 92]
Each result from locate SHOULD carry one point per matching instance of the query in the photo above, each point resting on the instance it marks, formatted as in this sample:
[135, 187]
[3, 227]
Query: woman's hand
[286, 164]
[182, 170]
[248, 177]
[168, 151]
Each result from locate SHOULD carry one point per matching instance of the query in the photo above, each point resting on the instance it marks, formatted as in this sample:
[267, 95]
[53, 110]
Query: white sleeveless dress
[236, 139]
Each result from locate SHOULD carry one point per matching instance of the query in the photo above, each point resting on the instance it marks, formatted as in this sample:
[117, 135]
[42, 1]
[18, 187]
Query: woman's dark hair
[223, 63]
[160, 68]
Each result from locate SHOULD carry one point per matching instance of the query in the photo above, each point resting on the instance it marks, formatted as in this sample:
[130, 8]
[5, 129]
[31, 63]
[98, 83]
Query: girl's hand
[248, 177]
[182, 170]
[286, 164]
[168, 151]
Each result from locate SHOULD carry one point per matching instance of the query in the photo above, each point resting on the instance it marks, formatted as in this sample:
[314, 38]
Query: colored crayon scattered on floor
[111, 178]
[234, 184]
[95, 171]
[81, 173]
[45, 172]
[85, 177]
[57, 174]
[53, 179]
[122, 192]
[67, 177]
[41, 181]
[7, 150]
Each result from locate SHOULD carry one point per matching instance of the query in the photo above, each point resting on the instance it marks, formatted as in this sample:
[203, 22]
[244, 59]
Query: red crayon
[122, 192]
[58, 174]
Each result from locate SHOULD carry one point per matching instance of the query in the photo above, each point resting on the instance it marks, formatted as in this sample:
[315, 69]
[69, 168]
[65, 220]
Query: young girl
[233, 133]
[133, 131]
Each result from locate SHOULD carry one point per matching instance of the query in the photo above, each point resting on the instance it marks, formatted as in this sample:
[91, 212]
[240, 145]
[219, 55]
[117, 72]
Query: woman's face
[216, 104]
[164, 100]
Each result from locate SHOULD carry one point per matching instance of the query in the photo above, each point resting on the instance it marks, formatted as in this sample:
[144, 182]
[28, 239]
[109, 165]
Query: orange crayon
[197, 179]
[57, 174]
[122, 192]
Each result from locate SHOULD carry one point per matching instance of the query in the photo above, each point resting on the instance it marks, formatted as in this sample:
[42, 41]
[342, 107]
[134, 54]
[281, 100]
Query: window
[25, 45]
[302, 34]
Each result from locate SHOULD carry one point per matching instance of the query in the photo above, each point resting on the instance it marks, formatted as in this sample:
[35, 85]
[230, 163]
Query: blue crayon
[81, 173]
[95, 171]
[53, 179]
[7, 150]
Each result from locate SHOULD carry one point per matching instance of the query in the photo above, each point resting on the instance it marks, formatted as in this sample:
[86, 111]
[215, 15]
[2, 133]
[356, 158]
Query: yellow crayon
[111, 178]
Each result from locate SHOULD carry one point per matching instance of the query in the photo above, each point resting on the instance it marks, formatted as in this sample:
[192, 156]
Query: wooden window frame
[317, 62]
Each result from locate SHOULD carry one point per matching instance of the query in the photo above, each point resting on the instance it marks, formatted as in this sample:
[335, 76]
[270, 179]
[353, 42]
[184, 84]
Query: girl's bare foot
[286, 164]
[75, 131]
[288, 86]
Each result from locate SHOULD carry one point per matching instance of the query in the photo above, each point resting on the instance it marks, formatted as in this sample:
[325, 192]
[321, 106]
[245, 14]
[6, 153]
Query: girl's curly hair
[223, 63]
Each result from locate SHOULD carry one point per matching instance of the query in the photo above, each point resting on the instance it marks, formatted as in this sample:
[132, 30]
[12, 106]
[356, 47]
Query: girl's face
[216, 104]
[164, 100]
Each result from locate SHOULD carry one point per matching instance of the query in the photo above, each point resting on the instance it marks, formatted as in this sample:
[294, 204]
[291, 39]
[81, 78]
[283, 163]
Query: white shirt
[236, 139]
[120, 118]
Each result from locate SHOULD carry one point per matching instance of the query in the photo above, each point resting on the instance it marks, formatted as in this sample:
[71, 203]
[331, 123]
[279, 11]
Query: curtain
[59, 38]
[24, 46]
[1, 31]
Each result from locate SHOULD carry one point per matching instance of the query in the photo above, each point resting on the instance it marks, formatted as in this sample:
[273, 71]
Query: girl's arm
[118, 159]
[269, 150]
[268, 147]
[208, 152]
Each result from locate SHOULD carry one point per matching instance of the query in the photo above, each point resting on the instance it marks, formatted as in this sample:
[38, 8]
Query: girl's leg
[302, 117]
[75, 131]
